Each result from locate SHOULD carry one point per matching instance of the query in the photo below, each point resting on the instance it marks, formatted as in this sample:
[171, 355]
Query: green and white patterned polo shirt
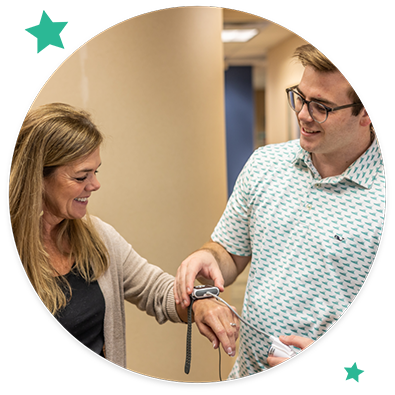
[312, 242]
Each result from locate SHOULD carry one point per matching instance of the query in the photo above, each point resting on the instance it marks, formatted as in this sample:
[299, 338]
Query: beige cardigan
[130, 277]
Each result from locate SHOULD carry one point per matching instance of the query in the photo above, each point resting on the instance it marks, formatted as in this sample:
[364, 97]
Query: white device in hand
[279, 349]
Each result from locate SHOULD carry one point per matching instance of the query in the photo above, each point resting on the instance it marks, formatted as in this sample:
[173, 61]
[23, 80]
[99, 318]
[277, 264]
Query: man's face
[341, 134]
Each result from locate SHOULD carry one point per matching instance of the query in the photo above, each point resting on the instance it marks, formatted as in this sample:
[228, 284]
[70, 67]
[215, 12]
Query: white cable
[241, 319]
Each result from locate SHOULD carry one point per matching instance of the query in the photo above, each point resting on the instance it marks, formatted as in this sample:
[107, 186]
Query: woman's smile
[82, 200]
[61, 188]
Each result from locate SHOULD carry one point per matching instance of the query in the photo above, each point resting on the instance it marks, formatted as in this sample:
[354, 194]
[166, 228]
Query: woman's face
[67, 190]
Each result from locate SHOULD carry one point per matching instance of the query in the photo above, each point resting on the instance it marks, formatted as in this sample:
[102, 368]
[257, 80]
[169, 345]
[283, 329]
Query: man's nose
[304, 114]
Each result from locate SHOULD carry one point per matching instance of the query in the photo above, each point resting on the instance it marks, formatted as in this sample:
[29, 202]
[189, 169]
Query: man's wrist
[212, 252]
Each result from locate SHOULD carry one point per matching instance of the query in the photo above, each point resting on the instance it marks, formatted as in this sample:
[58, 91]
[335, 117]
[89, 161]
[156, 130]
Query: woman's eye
[85, 177]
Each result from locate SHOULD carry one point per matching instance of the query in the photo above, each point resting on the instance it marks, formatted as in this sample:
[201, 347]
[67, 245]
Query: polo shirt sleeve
[232, 230]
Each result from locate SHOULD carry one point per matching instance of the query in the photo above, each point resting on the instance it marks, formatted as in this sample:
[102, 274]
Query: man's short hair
[308, 55]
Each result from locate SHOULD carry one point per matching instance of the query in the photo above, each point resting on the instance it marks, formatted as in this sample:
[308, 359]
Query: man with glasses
[308, 214]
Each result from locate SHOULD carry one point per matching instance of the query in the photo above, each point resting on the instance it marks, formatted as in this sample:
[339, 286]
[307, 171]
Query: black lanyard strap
[189, 338]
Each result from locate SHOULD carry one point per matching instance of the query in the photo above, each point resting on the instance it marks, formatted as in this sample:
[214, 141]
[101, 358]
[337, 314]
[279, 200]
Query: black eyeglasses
[318, 111]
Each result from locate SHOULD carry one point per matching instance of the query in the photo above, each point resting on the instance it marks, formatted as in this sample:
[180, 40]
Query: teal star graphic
[354, 375]
[51, 38]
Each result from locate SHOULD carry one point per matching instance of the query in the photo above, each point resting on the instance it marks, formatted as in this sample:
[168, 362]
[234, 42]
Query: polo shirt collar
[362, 172]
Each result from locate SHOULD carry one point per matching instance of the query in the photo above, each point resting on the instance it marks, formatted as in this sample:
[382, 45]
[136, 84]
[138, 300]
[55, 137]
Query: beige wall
[154, 85]
[282, 72]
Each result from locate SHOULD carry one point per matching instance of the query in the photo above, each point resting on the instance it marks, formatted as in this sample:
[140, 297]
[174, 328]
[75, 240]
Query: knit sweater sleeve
[149, 287]
[145, 285]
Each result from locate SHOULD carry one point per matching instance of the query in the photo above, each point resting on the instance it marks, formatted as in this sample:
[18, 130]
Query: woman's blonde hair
[52, 135]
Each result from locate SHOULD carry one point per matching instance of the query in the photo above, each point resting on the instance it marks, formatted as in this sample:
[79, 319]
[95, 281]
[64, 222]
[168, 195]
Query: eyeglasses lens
[316, 110]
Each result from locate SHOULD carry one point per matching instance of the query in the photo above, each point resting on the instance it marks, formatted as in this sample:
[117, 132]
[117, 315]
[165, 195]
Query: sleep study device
[204, 291]
[277, 348]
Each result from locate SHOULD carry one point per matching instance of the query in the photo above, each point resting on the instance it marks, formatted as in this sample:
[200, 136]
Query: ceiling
[253, 52]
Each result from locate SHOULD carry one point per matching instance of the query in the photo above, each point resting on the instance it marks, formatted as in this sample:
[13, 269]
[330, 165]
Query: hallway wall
[154, 85]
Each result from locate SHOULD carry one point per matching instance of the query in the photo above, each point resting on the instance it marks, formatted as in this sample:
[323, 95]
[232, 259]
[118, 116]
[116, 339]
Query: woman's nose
[94, 185]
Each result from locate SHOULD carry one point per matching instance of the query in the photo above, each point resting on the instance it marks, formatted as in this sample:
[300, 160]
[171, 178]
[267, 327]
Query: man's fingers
[273, 361]
[178, 283]
[184, 282]
[190, 276]
[216, 275]
[202, 264]
[297, 341]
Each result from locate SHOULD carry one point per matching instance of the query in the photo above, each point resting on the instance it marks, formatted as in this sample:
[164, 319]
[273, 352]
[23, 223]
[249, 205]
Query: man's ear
[365, 119]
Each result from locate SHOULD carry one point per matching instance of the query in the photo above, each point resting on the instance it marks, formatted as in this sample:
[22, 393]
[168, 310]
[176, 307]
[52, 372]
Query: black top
[83, 316]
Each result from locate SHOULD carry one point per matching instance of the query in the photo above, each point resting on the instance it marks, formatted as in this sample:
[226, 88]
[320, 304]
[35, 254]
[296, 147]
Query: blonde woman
[81, 268]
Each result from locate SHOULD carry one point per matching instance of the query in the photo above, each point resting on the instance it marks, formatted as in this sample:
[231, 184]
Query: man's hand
[199, 264]
[213, 263]
[293, 340]
[214, 320]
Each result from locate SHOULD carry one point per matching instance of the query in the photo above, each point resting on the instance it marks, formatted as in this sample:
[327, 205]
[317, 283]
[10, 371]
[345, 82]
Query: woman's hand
[293, 340]
[214, 320]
